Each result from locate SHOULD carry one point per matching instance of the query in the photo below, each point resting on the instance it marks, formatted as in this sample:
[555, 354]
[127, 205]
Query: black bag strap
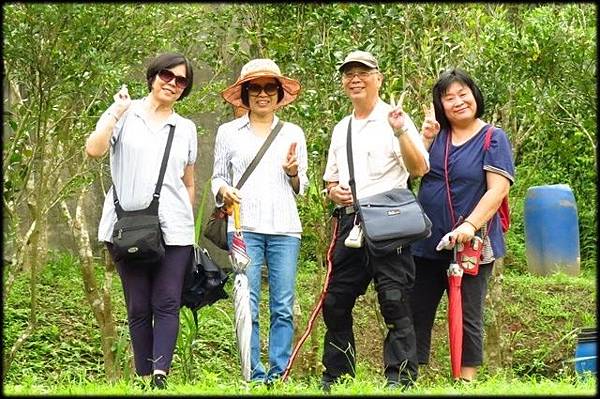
[259, 155]
[163, 167]
[351, 162]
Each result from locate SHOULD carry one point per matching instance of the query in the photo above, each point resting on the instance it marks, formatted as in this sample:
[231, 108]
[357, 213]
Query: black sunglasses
[255, 89]
[167, 76]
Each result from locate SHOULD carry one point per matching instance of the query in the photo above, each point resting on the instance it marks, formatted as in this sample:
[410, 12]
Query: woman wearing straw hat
[270, 222]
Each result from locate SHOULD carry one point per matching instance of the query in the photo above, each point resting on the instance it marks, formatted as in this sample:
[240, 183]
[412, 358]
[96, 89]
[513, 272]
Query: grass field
[496, 386]
[63, 356]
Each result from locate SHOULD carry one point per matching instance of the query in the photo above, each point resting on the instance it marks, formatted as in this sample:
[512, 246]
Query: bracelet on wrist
[467, 221]
[113, 115]
[400, 132]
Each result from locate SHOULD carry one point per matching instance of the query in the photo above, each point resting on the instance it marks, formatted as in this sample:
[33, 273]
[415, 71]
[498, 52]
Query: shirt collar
[243, 122]
[138, 109]
[381, 109]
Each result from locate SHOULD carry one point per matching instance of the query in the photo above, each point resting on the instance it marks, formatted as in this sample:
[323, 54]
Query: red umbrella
[455, 315]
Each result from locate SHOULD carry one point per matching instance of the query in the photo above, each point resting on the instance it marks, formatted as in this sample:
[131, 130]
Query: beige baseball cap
[362, 57]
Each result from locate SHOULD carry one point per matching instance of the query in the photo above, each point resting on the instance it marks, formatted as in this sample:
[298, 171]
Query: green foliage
[67, 61]
[547, 347]
[539, 358]
[67, 331]
[363, 385]
[534, 63]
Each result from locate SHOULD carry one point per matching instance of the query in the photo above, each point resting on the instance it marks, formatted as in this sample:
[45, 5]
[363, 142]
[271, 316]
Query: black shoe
[401, 385]
[269, 384]
[159, 381]
[326, 386]
[272, 380]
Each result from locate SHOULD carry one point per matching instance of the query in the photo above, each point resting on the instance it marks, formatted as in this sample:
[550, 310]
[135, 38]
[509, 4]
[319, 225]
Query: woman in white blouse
[136, 131]
[269, 215]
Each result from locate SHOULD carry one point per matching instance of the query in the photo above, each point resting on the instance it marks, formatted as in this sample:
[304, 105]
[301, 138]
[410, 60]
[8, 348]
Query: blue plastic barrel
[551, 230]
[586, 351]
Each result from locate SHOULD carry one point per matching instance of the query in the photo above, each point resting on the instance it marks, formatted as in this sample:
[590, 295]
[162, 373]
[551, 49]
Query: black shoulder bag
[216, 227]
[391, 219]
[137, 236]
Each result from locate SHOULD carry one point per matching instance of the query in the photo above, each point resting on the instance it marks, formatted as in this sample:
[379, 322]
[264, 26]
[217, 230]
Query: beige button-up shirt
[378, 164]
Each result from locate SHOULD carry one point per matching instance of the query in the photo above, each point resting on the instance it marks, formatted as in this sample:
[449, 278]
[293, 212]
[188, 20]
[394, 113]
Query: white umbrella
[241, 294]
[243, 321]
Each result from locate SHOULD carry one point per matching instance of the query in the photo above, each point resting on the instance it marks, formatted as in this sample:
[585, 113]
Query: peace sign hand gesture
[290, 166]
[396, 116]
[431, 127]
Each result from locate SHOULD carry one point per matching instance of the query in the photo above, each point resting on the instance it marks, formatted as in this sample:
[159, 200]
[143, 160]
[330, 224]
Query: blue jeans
[280, 254]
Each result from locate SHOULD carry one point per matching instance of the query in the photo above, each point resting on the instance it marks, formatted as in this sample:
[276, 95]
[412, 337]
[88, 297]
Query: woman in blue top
[478, 179]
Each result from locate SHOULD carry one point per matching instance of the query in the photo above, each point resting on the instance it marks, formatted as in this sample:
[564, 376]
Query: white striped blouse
[268, 203]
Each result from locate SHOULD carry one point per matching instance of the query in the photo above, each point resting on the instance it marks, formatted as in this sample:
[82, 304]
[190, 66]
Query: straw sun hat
[258, 68]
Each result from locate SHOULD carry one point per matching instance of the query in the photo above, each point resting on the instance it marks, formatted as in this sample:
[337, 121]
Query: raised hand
[122, 101]
[431, 127]
[290, 166]
[396, 117]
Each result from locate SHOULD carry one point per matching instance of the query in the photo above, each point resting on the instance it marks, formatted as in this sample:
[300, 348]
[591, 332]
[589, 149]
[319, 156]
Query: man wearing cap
[386, 149]
[269, 215]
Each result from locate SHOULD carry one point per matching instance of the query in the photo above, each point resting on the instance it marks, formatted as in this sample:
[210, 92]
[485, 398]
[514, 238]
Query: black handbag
[216, 226]
[137, 236]
[203, 283]
[391, 219]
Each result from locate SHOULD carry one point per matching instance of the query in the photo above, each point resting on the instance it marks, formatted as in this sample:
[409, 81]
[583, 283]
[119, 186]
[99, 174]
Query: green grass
[362, 385]
[63, 357]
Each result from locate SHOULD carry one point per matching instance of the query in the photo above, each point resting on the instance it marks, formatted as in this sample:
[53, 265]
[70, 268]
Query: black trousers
[352, 271]
[430, 284]
[152, 297]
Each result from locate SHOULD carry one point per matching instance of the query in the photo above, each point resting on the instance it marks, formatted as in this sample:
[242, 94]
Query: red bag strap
[450, 206]
[488, 138]
[504, 205]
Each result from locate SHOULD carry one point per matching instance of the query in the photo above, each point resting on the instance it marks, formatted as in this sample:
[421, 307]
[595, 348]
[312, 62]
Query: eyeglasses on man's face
[166, 76]
[362, 75]
[270, 89]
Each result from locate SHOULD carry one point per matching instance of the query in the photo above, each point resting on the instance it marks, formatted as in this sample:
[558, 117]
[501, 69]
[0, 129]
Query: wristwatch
[400, 132]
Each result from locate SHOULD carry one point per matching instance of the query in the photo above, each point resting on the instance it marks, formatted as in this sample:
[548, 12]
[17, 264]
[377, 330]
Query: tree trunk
[18, 258]
[31, 258]
[99, 300]
[114, 370]
[493, 345]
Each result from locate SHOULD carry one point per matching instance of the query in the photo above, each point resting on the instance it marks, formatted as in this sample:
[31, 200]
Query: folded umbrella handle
[236, 216]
